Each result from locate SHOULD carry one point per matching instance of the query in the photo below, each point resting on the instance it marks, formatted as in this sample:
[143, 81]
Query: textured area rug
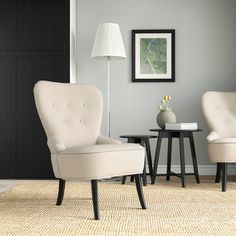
[29, 209]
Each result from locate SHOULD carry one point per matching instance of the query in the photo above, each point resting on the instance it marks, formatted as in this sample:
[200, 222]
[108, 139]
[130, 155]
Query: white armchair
[71, 115]
[219, 109]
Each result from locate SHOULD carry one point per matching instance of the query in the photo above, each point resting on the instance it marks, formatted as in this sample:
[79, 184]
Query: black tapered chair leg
[61, 191]
[224, 177]
[218, 172]
[131, 178]
[123, 180]
[139, 188]
[94, 186]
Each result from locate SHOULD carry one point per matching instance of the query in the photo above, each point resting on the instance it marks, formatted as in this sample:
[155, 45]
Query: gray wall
[205, 60]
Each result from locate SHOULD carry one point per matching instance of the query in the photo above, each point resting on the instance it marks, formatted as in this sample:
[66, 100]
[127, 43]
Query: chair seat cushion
[99, 161]
[102, 148]
[224, 140]
[223, 151]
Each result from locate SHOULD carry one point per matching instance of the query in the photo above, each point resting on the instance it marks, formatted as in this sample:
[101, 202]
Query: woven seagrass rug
[200, 209]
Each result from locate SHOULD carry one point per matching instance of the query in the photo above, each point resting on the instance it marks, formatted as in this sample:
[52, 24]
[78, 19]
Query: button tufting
[54, 104]
[226, 120]
[85, 105]
[81, 121]
[67, 105]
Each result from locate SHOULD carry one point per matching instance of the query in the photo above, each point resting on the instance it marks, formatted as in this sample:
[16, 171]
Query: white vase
[165, 117]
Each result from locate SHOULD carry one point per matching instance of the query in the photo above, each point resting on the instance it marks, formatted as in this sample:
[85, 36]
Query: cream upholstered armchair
[71, 115]
[220, 112]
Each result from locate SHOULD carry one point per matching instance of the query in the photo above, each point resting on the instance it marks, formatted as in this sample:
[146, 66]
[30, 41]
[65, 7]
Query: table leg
[169, 158]
[194, 158]
[157, 154]
[133, 140]
[149, 157]
[182, 160]
[144, 175]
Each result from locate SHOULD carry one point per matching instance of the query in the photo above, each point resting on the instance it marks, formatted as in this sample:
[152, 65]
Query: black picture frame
[169, 55]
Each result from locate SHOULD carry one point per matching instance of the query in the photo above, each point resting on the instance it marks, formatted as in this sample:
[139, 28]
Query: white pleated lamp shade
[108, 42]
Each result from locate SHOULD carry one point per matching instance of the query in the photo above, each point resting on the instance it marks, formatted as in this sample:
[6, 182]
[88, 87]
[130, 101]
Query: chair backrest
[219, 109]
[71, 114]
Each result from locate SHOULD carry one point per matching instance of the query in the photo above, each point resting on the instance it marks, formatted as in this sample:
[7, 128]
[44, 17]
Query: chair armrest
[212, 136]
[105, 140]
[55, 144]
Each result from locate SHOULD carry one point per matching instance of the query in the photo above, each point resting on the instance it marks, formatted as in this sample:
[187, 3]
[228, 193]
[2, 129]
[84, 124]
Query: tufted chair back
[220, 112]
[70, 113]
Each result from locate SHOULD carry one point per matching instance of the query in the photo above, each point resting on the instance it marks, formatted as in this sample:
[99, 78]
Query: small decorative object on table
[181, 126]
[166, 115]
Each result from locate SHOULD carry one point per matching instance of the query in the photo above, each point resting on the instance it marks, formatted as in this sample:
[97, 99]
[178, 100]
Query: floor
[197, 210]
[8, 184]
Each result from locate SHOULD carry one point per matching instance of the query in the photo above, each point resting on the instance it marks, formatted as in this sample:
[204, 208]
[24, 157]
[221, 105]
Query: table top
[176, 131]
[138, 136]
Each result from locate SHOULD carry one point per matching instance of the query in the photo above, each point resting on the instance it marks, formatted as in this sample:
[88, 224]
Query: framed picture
[153, 55]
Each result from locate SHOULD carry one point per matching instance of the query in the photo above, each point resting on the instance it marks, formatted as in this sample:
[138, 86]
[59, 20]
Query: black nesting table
[144, 141]
[180, 134]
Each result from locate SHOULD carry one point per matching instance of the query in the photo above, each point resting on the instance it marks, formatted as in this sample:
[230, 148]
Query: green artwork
[153, 55]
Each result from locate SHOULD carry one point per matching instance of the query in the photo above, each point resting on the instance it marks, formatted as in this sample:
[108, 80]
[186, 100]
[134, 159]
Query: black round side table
[144, 141]
[179, 134]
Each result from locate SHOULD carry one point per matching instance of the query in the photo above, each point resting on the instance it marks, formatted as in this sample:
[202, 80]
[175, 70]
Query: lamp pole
[108, 98]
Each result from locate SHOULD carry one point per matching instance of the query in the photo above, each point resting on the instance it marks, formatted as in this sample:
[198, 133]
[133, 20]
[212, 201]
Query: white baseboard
[203, 169]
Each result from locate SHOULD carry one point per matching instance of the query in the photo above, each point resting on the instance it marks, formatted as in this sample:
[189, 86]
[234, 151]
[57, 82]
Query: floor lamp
[108, 45]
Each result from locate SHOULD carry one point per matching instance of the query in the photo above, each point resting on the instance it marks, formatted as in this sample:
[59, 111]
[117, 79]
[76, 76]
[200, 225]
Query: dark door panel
[5, 85]
[41, 24]
[6, 159]
[6, 22]
[33, 158]
[30, 68]
[34, 45]
[33, 67]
